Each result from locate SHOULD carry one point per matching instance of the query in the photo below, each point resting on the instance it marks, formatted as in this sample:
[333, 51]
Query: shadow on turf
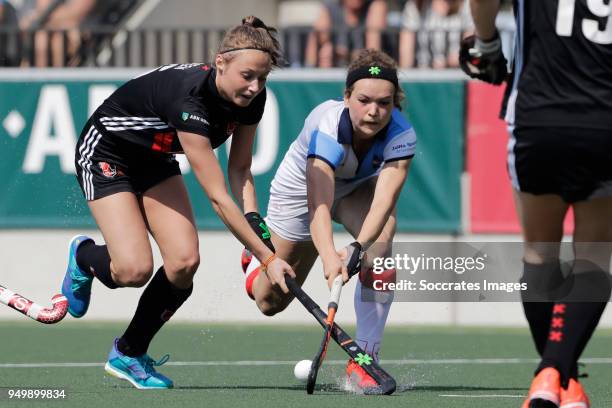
[322, 388]
[326, 389]
[441, 388]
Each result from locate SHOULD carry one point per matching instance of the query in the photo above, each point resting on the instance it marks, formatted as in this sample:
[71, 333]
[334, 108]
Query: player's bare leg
[120, 219]
[562, 329]
[171, 222]
[541, 218]
[121, 222]
[168, 216]
[301, 255]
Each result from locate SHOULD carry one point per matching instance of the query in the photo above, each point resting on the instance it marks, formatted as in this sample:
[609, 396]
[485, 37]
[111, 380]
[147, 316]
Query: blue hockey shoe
[77, 283]
[139, 371]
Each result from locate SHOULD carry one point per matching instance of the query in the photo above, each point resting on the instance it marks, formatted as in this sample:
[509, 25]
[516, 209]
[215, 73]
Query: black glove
[260, 228]
[483, 60]
[353, 259]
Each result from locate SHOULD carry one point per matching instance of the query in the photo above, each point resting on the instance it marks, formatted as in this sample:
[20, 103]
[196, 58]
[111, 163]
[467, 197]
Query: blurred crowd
[45, 33]
[315, 33]
[418, 33]
[429, 32]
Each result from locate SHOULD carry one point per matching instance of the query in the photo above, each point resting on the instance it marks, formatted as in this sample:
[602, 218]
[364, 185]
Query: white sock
[371, 319]
[254, 264]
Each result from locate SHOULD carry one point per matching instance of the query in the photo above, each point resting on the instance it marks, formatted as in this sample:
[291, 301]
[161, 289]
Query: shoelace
[79, 281]
[148, 363]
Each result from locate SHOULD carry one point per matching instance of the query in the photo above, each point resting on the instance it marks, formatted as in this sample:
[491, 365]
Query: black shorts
[106, 164]
[573, 163]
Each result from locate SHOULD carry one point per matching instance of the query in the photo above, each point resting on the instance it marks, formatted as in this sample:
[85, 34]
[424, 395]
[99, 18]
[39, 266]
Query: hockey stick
[34, 310]
[386, 383]
[332, 307]
[317, 361]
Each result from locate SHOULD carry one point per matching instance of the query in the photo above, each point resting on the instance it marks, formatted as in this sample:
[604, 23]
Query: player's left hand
[352, 256]
[483, 60]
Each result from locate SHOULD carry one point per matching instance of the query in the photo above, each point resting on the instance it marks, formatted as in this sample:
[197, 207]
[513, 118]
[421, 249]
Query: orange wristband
[267, 261]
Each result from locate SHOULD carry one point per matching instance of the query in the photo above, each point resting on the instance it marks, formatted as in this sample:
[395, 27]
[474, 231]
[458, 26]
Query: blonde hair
[371, 57]
[251, 34]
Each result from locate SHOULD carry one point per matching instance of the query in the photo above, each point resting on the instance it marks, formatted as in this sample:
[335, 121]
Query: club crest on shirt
[108, 170]
[185, 116]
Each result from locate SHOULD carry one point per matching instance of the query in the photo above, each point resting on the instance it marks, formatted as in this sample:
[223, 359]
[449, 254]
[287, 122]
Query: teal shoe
[139, 371]
[77, 283]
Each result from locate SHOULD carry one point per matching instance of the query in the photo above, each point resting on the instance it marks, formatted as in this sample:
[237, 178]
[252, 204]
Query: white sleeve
[401, 147]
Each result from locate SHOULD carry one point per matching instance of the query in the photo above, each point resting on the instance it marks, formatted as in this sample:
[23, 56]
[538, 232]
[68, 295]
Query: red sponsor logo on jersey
[231, 126]
[162, 142]
[205, 67]
[108, 170]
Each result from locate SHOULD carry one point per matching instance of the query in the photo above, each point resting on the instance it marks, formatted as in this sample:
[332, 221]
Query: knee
[271, 306]
[134, 273]
[183, 267]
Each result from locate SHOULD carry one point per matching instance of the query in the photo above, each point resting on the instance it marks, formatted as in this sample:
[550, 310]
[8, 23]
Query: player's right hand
[332, 267]
[276, 271]
[483, 60]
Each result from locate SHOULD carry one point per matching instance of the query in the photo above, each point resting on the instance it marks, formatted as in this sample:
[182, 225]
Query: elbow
[234, 166]
[239, 172]
[218, 202]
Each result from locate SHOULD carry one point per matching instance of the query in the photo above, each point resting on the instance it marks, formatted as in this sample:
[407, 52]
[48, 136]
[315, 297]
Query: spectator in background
[343, 28]
[63, 22]
[9, 48]
[431, 32]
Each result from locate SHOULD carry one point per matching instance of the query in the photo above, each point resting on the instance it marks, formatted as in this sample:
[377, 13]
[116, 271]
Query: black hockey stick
[354, 265]
[386, 383]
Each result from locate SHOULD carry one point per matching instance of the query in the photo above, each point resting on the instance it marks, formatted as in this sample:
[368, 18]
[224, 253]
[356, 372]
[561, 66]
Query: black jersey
[148, 110]
[563, 64]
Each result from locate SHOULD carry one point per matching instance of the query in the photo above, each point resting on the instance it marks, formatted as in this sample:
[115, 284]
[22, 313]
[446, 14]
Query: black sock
[573, 322]
[96, 260]
[157, 304]
[537, 302]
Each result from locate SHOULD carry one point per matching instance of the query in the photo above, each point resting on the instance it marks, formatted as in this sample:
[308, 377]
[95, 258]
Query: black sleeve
[253, 113]
[189, 115]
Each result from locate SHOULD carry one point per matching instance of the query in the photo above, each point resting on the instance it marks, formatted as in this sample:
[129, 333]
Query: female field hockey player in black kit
[559, 113]
[133, 185]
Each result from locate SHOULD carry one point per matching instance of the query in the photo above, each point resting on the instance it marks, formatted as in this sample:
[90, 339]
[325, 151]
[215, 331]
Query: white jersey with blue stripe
[327, 134]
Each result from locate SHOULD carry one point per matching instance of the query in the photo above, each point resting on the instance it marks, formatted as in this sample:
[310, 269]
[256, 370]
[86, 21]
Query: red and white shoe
[357, 376]
[574, 396]
[545, 390]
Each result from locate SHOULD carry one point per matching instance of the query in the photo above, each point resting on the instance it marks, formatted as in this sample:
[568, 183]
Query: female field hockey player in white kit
[349, 163]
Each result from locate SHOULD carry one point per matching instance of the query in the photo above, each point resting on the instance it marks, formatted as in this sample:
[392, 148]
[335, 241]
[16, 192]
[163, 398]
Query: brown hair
[251, 34]
[371, 57]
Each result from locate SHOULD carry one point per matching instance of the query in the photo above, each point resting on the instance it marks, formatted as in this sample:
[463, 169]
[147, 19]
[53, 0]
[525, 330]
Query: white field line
[246, 363]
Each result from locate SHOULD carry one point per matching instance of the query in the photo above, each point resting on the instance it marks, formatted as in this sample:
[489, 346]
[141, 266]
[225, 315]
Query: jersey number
[590, 28]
